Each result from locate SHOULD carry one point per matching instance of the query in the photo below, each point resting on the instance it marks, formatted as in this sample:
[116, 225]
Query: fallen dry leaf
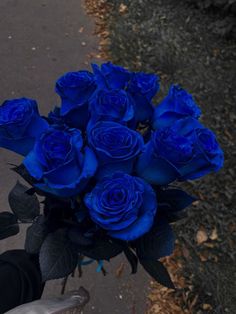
[155, 309]
[186, 253]
[207, 307]
[123, 8]
[120, 270]
[228, 135]
[203, 257]
[209, 245]
[153, 297]
[193, 302]
[195, 203]
[201, 236]
[214, 235]
[201, 196]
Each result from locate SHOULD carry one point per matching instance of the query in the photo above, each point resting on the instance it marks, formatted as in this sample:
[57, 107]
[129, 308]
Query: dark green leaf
[132, 258]
[176, 199]
[102, 249]
[78, 238]
[36, 234]
[22, 171]
[31, 191]
[157, 270]
[58, 212]
[58, 257]
[176, 216]
[165, 211]
[8, 225]
[157, 243]
[25, 206]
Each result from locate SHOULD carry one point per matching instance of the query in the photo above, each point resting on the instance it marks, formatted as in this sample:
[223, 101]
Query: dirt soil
[179, 42]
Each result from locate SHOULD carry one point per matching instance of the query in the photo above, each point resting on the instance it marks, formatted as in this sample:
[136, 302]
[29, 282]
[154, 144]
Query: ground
[179, 42]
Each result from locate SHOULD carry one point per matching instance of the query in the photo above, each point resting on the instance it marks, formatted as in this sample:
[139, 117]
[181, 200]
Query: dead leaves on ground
[100, 9]
[167, 301]
[123, 9]
[184, 300]
[207, 241]
[203, 236]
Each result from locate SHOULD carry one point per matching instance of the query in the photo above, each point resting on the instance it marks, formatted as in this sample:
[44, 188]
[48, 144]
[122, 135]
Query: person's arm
[20, 279]
[72, 302]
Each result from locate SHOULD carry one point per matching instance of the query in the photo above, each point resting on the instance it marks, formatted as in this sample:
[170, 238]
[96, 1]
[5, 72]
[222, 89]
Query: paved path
[40, 40]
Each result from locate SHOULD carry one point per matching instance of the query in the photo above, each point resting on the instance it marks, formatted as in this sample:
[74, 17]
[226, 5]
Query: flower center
[115, 102]
[56, 146]
[13, 113]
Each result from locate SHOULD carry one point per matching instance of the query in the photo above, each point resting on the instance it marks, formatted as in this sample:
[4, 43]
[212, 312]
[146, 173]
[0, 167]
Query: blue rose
[20, 125]
[123, 205]
[75, 89]
[116, 147]
[184, 151]
[111, 76]
[143, 87]
[60, 163]
[178, 104]
[111, 105]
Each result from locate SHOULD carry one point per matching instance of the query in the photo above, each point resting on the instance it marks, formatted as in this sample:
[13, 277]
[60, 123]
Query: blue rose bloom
[123, 205]
[111, 105]
[184, 151]
[116, 147]
[60, 163]
[178, 104]
[20, 125]
[143, 87]
[111, 76]
[75, 89]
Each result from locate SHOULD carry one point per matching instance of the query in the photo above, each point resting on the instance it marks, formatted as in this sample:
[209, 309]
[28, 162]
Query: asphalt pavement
[39, 41]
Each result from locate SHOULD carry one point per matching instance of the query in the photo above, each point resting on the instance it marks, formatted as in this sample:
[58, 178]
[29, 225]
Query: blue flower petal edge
[178, 104]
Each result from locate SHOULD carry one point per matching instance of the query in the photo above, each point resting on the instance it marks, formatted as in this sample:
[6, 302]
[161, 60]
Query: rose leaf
[24, 205]
[158, 271]
[8, 225]
[36, 234]
[58, 256]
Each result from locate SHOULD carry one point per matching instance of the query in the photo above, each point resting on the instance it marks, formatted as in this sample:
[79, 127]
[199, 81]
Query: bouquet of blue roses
[104, 162]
